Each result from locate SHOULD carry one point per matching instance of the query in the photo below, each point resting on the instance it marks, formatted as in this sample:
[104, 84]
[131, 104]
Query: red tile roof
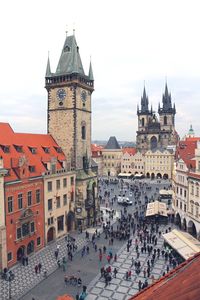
[182, 283]
[129, 150]
[27, 141]
[186, 151]
[96, 150]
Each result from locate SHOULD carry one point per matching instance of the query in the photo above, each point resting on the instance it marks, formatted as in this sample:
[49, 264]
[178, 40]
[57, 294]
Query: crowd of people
[131, 227]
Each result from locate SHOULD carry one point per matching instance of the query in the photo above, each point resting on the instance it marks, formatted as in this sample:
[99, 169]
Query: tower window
[142, 121]
[83, 132]
[165, 120]
[67, 49]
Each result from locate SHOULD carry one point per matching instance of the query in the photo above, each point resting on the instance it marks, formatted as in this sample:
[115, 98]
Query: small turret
[48, 69]
[90, 75]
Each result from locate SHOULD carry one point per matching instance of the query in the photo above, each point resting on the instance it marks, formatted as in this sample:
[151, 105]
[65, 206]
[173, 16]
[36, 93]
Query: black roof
[112, 143]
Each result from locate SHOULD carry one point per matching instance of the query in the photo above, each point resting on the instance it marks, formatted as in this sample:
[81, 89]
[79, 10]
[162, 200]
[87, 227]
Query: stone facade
[159, 164]
[69, 122]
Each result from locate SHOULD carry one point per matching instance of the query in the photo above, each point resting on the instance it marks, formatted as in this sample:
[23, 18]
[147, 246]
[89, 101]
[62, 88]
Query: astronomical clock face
[61, 94]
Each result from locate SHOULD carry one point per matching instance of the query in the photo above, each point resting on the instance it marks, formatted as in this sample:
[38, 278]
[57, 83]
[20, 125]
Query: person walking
[56, 254]
[39, 267]
[145, 272]
[115, 272]
[36, 269]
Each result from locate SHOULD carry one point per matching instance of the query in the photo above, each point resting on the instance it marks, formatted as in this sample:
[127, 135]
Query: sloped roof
[186, 151]
[112, 143]
[27, 141]
[182, 283]
[96, 150]
[129, 150]
[70, 60]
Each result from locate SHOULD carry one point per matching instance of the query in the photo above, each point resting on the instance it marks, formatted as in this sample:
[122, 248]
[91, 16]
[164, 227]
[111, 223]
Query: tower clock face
[61, 94]
[83, 95]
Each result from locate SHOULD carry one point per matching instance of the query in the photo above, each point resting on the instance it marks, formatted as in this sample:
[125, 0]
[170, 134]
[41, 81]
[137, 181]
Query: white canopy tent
[182, 242]
[156, 208]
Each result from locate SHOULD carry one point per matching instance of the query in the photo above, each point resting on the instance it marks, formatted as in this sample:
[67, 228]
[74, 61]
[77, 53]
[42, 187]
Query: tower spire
[90, 75]
[48, 69]
[144, 102]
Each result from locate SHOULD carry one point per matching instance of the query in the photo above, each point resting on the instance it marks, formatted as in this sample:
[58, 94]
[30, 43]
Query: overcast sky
[129, 41]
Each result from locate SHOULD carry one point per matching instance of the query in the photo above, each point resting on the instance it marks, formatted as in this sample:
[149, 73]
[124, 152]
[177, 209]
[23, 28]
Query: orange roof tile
[27, 141]
[129, 150]
[182, 283]
[96, 150]
[186, 151]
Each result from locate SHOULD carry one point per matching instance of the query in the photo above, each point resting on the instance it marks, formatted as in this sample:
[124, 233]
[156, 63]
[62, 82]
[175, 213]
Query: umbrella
[65, 297]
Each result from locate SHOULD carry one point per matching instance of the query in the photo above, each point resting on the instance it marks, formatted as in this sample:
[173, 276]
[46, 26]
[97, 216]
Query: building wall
[99, 162]
[133, 164]
[194, 203]
[112, 162]
[62, 197]
[181, 195]
[69, 118]
[159, 163]
[23, 217]
[3, 246]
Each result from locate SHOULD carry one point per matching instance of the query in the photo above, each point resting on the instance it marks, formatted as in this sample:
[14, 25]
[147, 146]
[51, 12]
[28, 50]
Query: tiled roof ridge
[162, 281]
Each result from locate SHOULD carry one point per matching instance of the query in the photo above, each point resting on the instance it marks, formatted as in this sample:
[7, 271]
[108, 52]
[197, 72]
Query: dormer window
[33, 150]
[67, 48]
[58, 149]
[5, 148]
[46, 149]
[18, 148]
[31, 169]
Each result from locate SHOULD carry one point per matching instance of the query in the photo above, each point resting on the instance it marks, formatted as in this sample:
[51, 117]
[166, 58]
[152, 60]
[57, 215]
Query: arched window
[83, 132]
[153, 142]
[142, 121]
[165, 120]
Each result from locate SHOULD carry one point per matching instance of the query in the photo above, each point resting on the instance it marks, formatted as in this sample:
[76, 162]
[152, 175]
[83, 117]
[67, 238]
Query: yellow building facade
[59, 199]
[112, 154]
[134, 164]
[159, 164]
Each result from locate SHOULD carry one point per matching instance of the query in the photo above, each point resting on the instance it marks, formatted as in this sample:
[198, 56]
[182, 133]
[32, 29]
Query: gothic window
[83, 132]
[165, 120]
[142, 121]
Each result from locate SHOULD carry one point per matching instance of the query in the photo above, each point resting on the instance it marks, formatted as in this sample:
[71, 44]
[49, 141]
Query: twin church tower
[152, 133]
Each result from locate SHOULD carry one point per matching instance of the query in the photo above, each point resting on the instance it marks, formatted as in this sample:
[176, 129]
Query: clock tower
[69, 122]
